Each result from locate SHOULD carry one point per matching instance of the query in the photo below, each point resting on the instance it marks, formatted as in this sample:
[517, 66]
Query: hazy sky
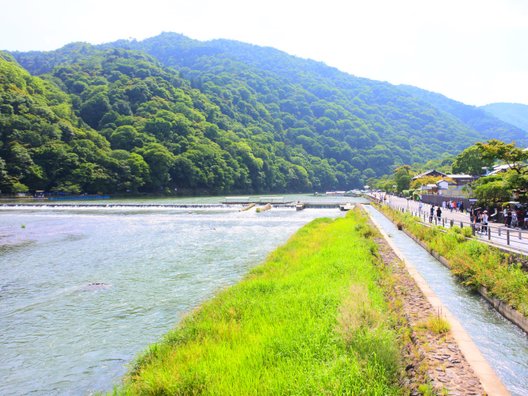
[474, 51]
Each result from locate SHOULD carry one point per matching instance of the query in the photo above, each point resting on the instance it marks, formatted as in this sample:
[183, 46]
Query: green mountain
[45, 145]
[215, 117]
[512, 113]
[477, 118]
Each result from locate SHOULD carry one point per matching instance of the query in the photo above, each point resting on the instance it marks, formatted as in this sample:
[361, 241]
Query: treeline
[500, 170]
[215, 117]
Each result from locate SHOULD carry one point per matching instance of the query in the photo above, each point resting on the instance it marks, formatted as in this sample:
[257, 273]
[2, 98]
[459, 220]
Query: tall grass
[475, 263]
[311, 320]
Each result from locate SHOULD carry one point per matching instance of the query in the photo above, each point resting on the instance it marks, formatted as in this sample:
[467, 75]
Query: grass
[475, 263]
[436, 324]
[311, 320]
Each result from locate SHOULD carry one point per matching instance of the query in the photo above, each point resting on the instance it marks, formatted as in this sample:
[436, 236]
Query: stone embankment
[437, 357]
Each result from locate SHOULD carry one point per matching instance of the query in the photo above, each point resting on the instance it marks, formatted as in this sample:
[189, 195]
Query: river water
[84, 290]
[503, 344]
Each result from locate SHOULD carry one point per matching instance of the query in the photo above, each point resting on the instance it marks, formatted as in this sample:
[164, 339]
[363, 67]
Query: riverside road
[512, 239]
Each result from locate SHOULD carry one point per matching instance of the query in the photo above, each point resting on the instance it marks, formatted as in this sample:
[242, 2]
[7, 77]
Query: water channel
[84, 290]
[503, 344]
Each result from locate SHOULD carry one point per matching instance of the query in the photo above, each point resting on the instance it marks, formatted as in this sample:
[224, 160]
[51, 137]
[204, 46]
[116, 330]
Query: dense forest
[170, 113]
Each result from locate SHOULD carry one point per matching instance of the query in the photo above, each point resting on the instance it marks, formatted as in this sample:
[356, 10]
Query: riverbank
[326, 313]
[291, 326]
[477, 265]
[160, 263]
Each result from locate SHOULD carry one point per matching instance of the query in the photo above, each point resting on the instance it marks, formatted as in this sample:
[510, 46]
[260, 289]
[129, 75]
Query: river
[84, 290]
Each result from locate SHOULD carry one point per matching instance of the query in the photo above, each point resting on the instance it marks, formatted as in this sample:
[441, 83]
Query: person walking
[431, 214]
[438, 214]
[509, 218]
[514, 221]
[485, 219]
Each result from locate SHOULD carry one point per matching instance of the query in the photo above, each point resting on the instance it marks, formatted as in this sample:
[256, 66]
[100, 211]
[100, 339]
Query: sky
[473, 51]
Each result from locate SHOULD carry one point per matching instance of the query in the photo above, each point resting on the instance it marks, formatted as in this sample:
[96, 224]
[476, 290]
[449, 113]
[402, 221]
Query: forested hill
[208, 117]
[512, 113]
[486, 122]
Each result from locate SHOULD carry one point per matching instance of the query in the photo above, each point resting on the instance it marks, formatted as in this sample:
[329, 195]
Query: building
[431, 172]
[453, 185]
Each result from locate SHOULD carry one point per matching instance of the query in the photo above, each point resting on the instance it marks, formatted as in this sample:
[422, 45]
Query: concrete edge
[487, 376]
[503, 308]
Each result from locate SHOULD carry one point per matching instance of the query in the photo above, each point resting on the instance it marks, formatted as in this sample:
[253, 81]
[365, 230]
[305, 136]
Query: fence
[494, 233]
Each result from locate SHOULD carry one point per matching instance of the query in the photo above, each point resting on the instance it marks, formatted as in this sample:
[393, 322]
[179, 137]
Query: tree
[160, 161]
[402, 178]
[423, 181]
[58, 162]
[471, 161]
[503, 186]
[126, 137]
[492, 190]
[515, 157]
[93, 110]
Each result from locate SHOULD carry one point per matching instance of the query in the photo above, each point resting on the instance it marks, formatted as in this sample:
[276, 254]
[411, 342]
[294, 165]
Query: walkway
[502, 343]
[511, 239]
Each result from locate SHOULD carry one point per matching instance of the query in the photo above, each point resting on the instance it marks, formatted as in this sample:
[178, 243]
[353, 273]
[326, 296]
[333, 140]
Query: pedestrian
[439, 214]
[431, 214]
[509, 218]
[520, 218]
[485, 219]
[478, 221]
[461, 207]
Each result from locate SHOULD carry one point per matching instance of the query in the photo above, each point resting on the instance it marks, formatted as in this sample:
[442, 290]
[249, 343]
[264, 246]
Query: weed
[437, 325]
[311, 320]
[426, 390]
[475, 263]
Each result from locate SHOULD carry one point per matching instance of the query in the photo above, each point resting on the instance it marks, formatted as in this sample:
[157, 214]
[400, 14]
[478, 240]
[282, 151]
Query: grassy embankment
[475, 263]
[311, 320]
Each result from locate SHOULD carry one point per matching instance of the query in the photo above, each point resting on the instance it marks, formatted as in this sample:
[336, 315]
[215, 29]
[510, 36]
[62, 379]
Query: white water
[61, 335]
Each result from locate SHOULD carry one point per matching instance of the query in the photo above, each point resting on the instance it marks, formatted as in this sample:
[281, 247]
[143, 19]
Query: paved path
[511, 239]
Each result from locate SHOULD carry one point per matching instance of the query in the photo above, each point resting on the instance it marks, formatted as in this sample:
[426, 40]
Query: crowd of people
[457, 206]
[512, 215]
[480, 219]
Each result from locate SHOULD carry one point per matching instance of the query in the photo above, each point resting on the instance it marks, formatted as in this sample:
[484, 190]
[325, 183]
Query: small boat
[346, 207]
[299, 206]
[263, 208]
[247, 207]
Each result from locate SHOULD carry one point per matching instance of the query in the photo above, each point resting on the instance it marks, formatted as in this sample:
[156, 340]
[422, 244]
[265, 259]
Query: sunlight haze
[474, 51]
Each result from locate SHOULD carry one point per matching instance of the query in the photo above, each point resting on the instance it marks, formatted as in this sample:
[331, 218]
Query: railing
[494, 233]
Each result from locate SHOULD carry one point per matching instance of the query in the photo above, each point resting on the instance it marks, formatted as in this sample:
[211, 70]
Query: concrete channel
[496, 348]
